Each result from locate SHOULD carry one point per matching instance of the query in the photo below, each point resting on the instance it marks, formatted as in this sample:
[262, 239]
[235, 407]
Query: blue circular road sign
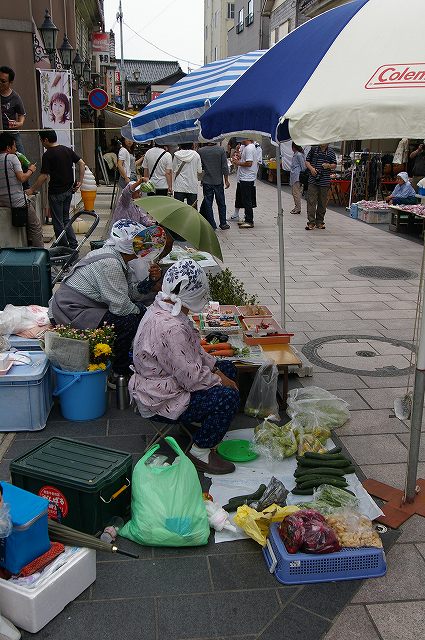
[98, 99]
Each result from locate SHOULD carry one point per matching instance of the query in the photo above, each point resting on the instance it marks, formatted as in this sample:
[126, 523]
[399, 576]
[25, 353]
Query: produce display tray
[249, 311]
[304, 568]
[280, 337]
[208, 328]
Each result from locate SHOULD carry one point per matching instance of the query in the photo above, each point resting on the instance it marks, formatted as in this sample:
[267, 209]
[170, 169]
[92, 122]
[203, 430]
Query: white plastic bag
[14, 319]
[261, 401]
[314, 407]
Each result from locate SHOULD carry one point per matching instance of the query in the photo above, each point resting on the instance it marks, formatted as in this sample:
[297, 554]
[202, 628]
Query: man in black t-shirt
[12, 107]
[57, 164]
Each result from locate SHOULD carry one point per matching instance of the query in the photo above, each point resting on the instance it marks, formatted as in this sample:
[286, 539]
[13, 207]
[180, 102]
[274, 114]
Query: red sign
[100, 42]
[58, 504]
[98, 99]
[155, 94]
[398, 76]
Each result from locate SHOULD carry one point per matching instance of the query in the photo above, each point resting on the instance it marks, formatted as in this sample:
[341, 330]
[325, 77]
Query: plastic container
[82, 394]
[86, 485]
[32, 609]
[24, 344]
[421, 191]
[25, 277]
[29, 538]
[354, 210]
[303, 568]
[26, 395]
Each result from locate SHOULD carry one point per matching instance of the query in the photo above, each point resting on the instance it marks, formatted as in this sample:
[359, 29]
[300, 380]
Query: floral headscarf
[194, 290]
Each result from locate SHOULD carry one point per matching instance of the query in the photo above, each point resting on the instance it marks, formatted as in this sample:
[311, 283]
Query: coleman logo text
[398, 76]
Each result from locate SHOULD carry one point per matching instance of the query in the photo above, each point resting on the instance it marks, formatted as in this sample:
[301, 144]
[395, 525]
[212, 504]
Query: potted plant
[225, 288]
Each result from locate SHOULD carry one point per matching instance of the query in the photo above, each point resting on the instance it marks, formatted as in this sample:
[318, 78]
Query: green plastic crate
[86, 485]
[25, 277]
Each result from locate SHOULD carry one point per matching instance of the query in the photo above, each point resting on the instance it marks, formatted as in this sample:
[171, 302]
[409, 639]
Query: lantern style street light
[78, 65]
[65, 51]
[49, 33]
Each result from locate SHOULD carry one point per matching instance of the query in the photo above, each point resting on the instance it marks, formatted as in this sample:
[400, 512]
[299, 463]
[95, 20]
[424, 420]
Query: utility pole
[122, 72]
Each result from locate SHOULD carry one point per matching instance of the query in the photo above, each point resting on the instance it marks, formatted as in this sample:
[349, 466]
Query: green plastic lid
[236, 450]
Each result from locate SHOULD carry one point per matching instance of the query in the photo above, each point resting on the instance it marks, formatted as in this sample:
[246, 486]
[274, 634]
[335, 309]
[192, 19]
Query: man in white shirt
[158, 168]
[187, 170]
[245, 190]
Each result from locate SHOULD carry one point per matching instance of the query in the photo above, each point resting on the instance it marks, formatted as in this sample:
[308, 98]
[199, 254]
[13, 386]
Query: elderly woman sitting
[403, 193]
[97, 291]
[128, 209]
[174, 377]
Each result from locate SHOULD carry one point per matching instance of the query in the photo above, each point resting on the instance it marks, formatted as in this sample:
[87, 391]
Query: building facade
[219, 17]
[251, 29]
[22, 49]
[312, 8]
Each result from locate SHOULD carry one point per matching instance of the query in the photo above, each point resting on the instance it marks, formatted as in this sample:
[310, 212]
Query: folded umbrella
[184, 220]
[71, 537]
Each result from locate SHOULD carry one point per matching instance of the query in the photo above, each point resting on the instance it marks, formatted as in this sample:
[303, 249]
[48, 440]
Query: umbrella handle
[124, 553]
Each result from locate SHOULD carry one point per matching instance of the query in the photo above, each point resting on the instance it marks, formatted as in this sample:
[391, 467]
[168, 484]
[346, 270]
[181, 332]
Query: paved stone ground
[229, 593]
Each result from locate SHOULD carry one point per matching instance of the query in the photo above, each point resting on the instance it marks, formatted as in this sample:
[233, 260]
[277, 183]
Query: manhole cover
[361, 355]
[383, 273]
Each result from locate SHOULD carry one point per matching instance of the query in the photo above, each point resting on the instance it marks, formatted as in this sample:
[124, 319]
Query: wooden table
[284, 356]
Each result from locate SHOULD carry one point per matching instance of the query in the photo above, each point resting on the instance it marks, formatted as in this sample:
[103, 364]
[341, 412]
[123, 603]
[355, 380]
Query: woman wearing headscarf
[97, 291]
[403, 193]
[174, 377]
[128, 209]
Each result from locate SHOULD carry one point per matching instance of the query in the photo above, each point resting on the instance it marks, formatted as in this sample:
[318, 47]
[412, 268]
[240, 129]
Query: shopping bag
[167, 508]
[261, 401]
[311, 407]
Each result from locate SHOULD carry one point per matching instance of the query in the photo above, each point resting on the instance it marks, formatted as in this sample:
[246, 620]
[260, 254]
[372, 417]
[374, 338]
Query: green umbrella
[184, 220]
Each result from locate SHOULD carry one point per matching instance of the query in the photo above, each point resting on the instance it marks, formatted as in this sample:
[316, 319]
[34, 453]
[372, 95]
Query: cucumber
[310, 462]
[327, 471]
[335, 450]
[335, 482]
[302, 492]
[238, 501]
[324, 456]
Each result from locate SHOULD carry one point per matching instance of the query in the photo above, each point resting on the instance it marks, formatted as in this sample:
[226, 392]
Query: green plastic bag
[167, 508]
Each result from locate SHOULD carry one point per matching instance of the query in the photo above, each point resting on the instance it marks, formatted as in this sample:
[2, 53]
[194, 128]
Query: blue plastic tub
[29, 538]
[26, 395]
[24, 344]
[82, 394]
[303, 568]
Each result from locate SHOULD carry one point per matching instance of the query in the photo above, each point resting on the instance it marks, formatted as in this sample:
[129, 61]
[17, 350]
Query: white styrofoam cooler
[32, 609]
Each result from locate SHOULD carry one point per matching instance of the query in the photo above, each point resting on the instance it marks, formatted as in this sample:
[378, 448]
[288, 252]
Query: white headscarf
[194, 290]
[122, 234]
[404, 176]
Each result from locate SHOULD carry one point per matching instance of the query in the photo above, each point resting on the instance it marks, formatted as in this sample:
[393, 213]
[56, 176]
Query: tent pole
[281, 236]
[417, 411]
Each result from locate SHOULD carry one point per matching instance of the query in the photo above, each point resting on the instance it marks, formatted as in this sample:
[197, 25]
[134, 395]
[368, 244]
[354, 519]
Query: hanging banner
[100, 42]
[56, 104]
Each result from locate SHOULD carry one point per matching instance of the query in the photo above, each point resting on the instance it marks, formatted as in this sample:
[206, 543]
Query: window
[215, 53]
[216, 18]
[239, 26]
[230, 10]
[250, 17]
[281, 31]
[206, 32]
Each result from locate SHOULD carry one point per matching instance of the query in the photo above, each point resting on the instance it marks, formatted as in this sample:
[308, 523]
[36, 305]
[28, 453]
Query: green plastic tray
[236, 450]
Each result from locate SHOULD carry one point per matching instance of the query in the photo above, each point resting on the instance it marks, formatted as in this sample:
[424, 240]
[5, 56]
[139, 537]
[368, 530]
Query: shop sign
[398, 76]
[117, 77]
[155, 94]
[100, 42]
[57, 502]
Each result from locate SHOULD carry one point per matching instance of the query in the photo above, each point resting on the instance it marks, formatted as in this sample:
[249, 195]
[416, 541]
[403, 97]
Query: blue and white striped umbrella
[352, 73]
[171, 117]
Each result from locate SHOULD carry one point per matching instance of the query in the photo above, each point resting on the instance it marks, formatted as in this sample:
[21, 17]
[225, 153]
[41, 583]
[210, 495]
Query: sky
[175, 26]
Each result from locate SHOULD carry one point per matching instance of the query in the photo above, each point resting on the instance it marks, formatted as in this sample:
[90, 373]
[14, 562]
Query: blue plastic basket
[303, 568]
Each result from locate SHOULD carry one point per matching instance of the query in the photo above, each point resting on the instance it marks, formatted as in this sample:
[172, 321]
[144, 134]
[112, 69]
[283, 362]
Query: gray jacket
[214, 164]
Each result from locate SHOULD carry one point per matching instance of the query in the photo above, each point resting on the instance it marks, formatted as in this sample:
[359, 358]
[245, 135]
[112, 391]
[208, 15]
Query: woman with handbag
[12, 194]
[174, 377]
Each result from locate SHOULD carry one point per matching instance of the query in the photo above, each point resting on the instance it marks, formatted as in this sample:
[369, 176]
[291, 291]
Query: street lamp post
[49, 34]
[65, 51]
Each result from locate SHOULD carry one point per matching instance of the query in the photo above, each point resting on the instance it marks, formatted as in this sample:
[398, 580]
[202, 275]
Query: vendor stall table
[284, 356]
[405, 221]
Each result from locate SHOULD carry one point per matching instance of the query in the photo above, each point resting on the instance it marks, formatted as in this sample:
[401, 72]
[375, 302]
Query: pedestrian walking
[297, 165]
[418, 170]
[57, 166]
[187, 171]
[127, 163]
[12, 107]
[12, 194]
[216, 169]
[320, 161]
[246, 197]
[158, 168]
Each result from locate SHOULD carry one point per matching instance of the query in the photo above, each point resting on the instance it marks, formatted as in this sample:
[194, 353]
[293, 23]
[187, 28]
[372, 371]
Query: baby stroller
[62, 258]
